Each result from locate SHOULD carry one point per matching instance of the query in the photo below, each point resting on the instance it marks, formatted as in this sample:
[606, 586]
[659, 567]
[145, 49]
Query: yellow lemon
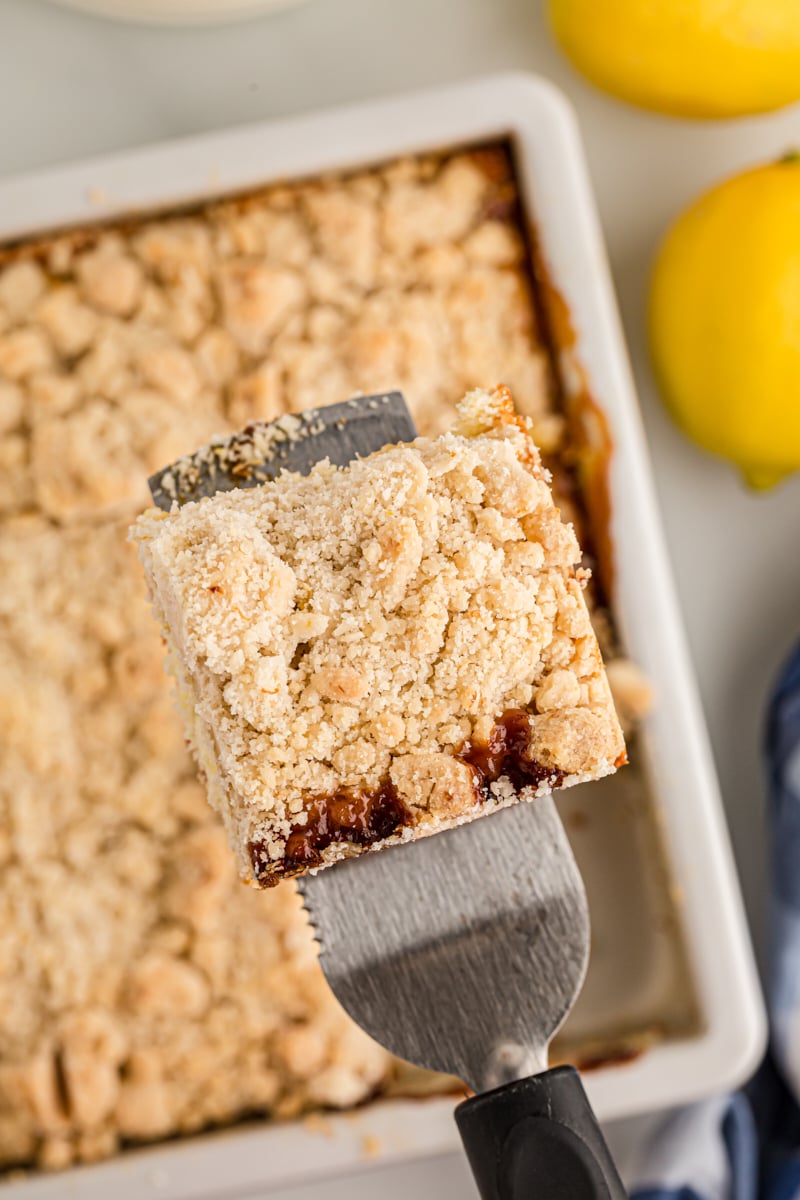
[725, 321]
[691, 58]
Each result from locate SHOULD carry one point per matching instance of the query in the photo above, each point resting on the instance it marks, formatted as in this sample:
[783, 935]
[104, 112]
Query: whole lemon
[691, 58]
[725, 321]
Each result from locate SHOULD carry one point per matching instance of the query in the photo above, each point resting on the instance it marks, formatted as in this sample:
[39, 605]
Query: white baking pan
[177, 12]
[671, 951]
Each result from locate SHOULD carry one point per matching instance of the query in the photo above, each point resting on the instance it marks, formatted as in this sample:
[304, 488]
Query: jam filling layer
[360, 817]
[505, 753]
[365, 817]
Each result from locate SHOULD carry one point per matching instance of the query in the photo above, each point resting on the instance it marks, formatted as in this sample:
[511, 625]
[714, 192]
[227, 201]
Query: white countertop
[72, 86]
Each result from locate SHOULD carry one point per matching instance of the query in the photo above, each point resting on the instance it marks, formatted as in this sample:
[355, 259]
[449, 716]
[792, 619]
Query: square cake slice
[371, 654]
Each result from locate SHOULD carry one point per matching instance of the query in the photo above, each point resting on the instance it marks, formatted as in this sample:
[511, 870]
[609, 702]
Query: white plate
[177, 12]
[641, 971]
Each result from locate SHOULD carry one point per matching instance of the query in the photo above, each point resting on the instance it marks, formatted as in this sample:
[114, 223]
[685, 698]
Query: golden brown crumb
[632, 691]
[371, 1146]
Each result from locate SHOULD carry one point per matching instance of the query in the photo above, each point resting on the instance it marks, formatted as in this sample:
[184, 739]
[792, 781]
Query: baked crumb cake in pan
[374, 653]
[144, 992]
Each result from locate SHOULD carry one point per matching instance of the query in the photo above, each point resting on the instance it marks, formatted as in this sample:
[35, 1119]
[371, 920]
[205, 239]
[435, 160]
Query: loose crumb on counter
[371, 1146]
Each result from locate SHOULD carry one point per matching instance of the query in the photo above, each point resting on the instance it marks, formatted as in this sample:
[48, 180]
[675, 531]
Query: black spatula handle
[538, 1139]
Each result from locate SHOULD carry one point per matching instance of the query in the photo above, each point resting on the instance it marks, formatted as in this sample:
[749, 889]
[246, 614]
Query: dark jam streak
[359, 817]
[506, 754]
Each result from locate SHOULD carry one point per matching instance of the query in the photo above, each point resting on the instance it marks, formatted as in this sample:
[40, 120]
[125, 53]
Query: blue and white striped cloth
[747, 1146]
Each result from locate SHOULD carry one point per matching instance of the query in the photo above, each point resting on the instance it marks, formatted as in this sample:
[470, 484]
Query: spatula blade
[295, 442]
[463, 952]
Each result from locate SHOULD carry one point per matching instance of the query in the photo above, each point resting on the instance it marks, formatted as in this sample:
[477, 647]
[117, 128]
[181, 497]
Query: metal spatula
[463, 952]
